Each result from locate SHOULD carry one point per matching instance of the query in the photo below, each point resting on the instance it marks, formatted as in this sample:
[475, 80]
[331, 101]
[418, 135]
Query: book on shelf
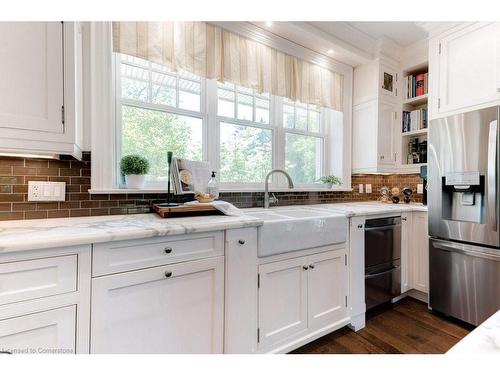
[417, 85]
[414, 120]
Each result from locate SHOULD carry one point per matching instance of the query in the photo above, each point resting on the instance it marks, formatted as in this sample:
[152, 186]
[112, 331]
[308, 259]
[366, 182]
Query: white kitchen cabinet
[46, 332]
[406, 250]
[177, 308]
[301, 297]
[465, 68]
[326, 289]
[419, 248]
[375, 124]
[40, 100]
[282, 300]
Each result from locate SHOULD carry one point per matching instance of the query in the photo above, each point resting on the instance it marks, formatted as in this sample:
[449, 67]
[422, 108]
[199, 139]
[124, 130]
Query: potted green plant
[330, 180]
[134, 168]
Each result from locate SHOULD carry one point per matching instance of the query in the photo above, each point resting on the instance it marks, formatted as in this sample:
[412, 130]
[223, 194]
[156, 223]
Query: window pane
[313, 121]
[288, 116]
[245, 107]
[301, 120]
[262, 110]
[189, 95]
[134, 60]
[245, 153]
[163, 89]
[303, 159]
[134, 83]
[152, 133]
[225, 103]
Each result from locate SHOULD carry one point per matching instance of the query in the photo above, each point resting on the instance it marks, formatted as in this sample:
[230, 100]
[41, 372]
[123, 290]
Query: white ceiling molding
[285, 45]
[387, 48]
[436, 28]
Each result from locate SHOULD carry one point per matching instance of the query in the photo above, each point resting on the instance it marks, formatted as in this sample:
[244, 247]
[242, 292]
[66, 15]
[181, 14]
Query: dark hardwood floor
[405, 327]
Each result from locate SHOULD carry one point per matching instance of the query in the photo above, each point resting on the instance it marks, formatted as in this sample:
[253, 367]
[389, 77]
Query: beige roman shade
[214, 53]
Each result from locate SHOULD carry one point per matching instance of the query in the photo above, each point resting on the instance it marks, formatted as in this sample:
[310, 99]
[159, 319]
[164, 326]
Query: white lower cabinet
[46, 332]
[299, 297]
[177, 308]
[419, 252]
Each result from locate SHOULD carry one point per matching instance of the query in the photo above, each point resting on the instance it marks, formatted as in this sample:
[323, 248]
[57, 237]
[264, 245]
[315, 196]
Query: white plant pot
[135, 181]
[329, 185]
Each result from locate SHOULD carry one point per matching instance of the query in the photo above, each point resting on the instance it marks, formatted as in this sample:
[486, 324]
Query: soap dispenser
[213, 186]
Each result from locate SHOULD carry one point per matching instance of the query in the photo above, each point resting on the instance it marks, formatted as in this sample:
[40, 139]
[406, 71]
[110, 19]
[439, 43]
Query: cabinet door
[171, 309]
[420, 252]
[365, 137]
[45, 332]
[468, 67]
[327, 289]
[31, 62]
[406, 249]
[282, 300]
[386, 128]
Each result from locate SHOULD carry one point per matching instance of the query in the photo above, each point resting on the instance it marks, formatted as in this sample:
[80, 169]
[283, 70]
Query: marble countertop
[485, 339]
[21, 235]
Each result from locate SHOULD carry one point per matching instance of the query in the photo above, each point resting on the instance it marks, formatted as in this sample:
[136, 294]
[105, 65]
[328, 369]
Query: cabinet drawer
[46, 332]
[30, 279]
[120, 256]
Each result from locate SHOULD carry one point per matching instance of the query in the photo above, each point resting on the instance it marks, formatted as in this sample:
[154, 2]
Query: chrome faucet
[273, 199]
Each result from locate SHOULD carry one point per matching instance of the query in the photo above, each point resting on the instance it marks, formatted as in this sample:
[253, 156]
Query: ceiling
[403, 33]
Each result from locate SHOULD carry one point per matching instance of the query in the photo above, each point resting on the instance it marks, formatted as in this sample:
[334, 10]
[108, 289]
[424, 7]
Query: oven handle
[372, 275]
[384, 227]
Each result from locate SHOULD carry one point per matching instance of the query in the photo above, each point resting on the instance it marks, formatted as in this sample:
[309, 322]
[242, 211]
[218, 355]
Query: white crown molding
[436, 28]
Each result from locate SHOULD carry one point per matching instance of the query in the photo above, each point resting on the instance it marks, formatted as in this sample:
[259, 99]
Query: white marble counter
[485, 339]
[41, 234]
[372, 208]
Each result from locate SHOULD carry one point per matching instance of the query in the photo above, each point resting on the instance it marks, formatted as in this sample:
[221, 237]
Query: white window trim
[104, 137]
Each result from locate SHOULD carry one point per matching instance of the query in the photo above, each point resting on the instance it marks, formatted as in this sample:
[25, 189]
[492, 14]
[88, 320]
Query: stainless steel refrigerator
[463, 203]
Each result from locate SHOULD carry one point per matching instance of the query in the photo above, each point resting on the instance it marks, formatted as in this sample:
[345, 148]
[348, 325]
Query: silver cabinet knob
[168, 274]
[311, 266]
[241, 242]
[305, 268]
[404, 218]
[168, 250]
[360, 226]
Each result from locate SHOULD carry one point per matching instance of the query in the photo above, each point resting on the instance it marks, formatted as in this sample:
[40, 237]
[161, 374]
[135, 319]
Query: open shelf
[415, 133]
[417, 101]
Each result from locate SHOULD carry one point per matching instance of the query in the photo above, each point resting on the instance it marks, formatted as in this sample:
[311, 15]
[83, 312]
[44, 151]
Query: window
[158, 112]
[242, 133]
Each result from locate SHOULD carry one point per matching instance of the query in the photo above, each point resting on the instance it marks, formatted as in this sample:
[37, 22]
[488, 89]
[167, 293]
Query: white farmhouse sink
[289, 229]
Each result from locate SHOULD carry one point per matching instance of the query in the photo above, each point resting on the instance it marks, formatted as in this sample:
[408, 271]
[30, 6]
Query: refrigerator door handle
[466, 249]
[492, 174]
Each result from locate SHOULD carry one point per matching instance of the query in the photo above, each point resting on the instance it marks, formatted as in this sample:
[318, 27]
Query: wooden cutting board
[186, 210]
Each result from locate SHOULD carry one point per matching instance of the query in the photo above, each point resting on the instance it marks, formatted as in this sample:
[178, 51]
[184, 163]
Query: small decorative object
[134, 168]
[395, 195]
[385, 194]
[204, 197]
[407, 192]
[388, 83]
[330, 181]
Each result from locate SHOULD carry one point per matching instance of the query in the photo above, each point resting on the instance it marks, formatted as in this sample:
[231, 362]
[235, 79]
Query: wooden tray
[186, 210]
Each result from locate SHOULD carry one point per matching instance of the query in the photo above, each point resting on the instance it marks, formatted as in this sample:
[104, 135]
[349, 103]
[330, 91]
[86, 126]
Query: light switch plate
[360, 188]
[43, 191]
[368, 188]
[420, 188]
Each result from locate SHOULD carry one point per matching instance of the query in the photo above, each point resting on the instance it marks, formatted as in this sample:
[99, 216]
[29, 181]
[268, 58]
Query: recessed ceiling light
[269, 23]
[330, 51]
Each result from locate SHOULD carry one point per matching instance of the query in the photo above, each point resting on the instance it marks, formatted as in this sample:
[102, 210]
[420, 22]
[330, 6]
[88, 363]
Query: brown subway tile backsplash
[16, 172]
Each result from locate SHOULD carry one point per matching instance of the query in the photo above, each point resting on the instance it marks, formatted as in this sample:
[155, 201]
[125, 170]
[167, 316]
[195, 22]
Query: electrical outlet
[43, 191]
[420, 188]
[360, 188]
[368, 188]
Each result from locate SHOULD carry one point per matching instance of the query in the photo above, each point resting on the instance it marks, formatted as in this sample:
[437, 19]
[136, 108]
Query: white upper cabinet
[465, 69]
[40, 100]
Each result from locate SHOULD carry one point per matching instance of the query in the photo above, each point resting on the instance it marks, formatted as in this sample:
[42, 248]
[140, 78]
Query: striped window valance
[214, 53]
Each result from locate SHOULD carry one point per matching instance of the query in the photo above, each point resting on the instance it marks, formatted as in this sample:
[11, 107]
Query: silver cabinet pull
[5, 352]
[305, 268]
[360, 226]
[168, 274]
[241, 242]
[168, 250]
[311, 266]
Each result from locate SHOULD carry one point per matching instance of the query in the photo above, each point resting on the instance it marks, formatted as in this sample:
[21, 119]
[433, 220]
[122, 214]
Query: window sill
[241, 190]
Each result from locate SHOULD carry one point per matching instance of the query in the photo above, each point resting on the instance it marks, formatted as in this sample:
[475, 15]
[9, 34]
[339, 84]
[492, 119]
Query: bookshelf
[414, 119]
